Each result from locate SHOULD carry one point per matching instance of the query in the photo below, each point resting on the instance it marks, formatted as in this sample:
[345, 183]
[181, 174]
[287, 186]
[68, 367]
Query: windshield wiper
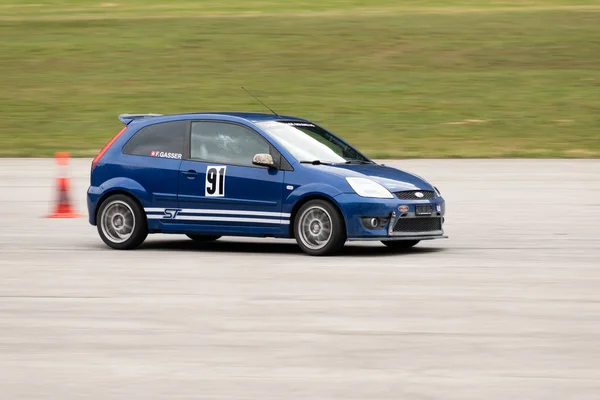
[316, 162]
[319, 162]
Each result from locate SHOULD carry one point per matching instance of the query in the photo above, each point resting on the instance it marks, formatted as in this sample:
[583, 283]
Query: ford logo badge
[419, 194]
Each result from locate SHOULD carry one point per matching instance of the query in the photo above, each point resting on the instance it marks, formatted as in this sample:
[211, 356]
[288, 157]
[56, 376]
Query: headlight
[367, 188]
[437, 191]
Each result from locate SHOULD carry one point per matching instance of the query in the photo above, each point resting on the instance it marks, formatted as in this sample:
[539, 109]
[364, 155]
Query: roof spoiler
[128, 118]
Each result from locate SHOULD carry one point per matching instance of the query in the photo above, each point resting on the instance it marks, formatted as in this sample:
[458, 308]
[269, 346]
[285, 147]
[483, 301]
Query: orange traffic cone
[63, 208]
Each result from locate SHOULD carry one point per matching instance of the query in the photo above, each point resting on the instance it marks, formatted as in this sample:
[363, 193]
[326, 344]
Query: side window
[225, 143]
[159, 140]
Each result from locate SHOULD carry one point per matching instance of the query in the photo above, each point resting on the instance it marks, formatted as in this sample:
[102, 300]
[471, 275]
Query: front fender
[96, 194]
[310, 190]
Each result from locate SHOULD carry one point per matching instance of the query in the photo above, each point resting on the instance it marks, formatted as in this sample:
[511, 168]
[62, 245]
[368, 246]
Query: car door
[220, 190]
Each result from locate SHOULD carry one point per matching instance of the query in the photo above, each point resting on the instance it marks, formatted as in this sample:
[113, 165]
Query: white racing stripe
[234, 212]
[151, 209]
[224, 219]
[221, 212]
[242, 215]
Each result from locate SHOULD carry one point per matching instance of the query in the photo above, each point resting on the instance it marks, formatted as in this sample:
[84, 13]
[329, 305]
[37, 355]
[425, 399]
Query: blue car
[208, 175]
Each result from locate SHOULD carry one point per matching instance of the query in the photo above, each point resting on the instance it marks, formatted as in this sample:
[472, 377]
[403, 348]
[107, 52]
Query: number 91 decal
[215, 181]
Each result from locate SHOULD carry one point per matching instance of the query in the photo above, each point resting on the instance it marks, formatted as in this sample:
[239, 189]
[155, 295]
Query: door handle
[191, 174]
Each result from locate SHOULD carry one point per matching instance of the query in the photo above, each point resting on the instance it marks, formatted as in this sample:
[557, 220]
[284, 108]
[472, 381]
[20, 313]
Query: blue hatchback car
[208, 175]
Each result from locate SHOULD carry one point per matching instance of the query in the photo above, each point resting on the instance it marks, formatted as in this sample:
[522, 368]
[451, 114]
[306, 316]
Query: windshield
[309, 143]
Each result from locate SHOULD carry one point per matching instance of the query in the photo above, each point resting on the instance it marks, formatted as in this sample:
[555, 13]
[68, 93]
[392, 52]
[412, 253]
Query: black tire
[203, 238]
[104, 223]
[400, 244]
[337, 235]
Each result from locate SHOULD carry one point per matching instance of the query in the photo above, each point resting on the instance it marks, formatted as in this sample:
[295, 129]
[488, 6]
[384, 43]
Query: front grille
[419, 224]
[410, 195]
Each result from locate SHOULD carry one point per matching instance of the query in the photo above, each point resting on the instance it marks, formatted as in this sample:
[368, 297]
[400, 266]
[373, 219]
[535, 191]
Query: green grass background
[430, 78]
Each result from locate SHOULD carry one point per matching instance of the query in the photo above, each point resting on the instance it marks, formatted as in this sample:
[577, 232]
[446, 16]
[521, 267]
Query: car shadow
[275, 247]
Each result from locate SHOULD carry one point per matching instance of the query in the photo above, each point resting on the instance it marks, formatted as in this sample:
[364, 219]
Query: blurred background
[506, 308]
[435, 78]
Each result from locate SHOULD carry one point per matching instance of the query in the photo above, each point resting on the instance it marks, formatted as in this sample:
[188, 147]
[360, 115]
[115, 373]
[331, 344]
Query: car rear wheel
[319, 228]
[122, 223]
[203, 238]
[400, 244]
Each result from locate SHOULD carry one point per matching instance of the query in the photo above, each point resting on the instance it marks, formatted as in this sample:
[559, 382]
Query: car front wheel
[319, 228]
[122, 223]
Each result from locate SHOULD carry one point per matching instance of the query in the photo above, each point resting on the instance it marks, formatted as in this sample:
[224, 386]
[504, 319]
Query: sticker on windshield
[300, 124]
[215, 181]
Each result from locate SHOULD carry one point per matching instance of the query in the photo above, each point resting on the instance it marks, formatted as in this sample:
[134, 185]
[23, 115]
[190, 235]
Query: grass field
[435, 78]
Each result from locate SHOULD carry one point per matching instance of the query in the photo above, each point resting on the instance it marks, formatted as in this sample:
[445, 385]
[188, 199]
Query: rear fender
[97, 194]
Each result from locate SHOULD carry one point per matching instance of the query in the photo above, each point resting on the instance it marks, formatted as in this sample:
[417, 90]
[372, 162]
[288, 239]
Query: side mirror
[266, 160]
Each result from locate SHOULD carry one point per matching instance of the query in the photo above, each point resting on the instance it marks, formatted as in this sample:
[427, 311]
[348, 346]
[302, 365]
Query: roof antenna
[257, 99]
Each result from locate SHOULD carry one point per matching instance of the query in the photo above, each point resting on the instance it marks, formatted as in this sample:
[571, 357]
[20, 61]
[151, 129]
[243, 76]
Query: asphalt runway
[507, 308]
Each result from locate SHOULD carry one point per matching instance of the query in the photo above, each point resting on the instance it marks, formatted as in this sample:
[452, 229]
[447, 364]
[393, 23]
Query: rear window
[154, 140]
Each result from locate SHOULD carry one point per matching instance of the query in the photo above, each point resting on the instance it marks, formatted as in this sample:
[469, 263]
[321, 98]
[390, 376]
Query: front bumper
[403, 221]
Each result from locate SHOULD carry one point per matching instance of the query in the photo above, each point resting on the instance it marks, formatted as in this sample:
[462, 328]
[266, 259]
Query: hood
[392, 179]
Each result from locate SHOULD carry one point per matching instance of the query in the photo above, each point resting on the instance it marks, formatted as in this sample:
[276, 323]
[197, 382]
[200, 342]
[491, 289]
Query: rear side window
[166, 139]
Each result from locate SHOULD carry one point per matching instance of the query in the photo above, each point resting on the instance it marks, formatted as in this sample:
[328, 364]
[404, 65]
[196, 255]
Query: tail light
[106, 147]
